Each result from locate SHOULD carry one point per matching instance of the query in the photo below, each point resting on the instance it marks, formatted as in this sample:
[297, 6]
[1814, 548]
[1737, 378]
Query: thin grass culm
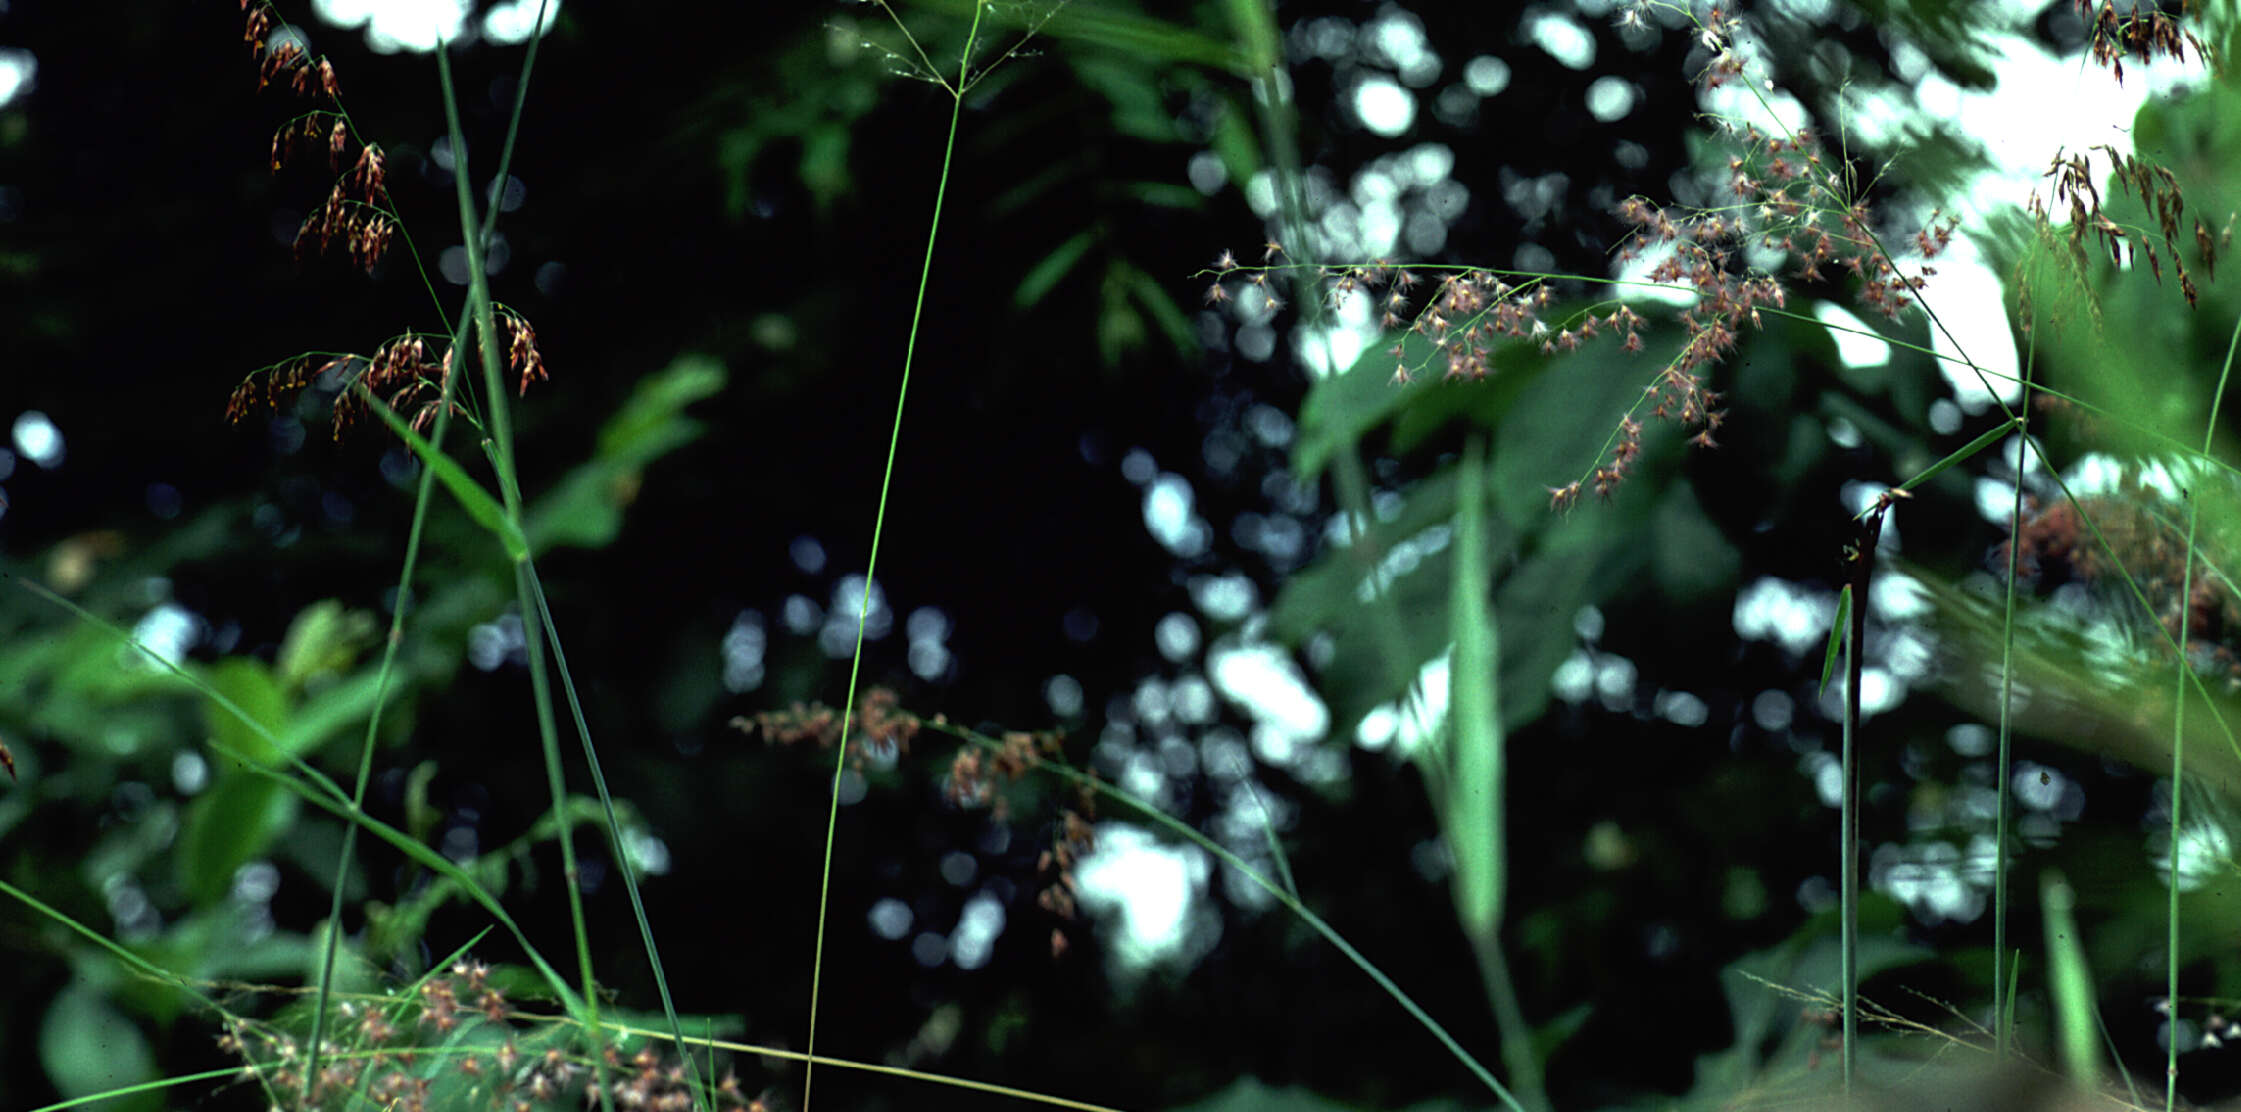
[956, 91]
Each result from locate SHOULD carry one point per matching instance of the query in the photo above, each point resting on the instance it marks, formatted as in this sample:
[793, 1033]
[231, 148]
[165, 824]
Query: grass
[468, 1034]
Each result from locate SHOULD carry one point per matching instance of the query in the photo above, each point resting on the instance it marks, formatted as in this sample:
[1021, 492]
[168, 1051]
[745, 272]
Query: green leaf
[1046, 274]
[472, 497]
[2070, 983]
[323, 716]
[1538, 600]
[229, 826]
[1989, 437]
[1341, 409]
[1552, 425]
[324, 638]
[1693, 561]
[1154, 297]
[1550, 1037]
[585, 507]
[1164, 194]
[1474, 805]
[93, 668]
[89, 1047]
[647, 426]
[1120, 327]
[1234, 141]
[251, 686]
[1539, 595]
[1836, 635]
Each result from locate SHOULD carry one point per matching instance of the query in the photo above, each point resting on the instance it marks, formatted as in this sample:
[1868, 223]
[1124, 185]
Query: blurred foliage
[1651, 888]
[183, 821]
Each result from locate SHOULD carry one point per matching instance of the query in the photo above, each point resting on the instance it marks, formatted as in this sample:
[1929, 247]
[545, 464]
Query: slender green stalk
[1275, 890]
[1862, 576]
[2003, 1006]
[501, 452]
[623, 863]
[145, 967]
[330, 943]
[1848, 927]
[879, 523]
[2178, 742]
[610, 822]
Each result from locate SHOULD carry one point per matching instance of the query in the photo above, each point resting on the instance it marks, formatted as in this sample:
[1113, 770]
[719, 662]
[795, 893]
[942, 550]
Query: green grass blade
[501, 448]
[879, 521]
[1474, 797]
[2007, 1003]
[613, 825]
[1836, 635]
[1991, 436]
[471, 496]
[2070, 982]
[1472, 819]
[1252, 876]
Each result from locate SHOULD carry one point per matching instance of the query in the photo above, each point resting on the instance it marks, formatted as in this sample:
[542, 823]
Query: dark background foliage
[748, 183]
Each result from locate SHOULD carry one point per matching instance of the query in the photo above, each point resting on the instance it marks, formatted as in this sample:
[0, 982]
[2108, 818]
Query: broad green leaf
[1164, 194]
[1331, 588]
[1555, 413]
[98, 669]
[472, 497]
[1137, 105]
[645, 427]
[585, 507]
[1693, 561]
[824, 163]
[1566, 417]
[1769, 1040]
[232, 824]
[322, 717]
[2070, 983]
[1536, 602]
[1474, 806]
[1341, 409]
[1550, 1037]
[251, 686]
[1575, 560]
[89, 1047]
